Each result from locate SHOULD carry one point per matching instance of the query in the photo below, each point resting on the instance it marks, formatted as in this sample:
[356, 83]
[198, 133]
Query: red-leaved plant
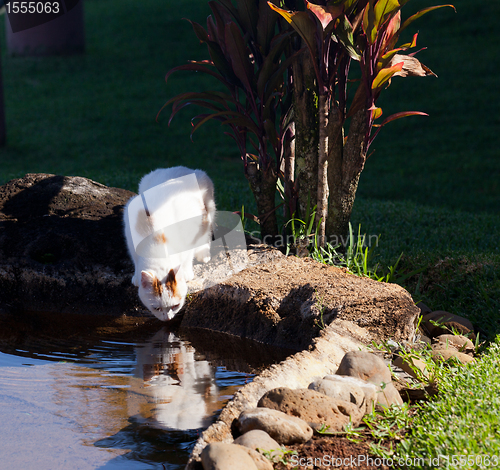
[289, 94]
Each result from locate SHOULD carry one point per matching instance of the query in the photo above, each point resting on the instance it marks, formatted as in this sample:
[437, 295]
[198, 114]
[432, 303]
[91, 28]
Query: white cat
[171, 222]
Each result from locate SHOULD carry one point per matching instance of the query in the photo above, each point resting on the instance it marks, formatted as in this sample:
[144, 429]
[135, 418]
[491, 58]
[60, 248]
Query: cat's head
[163, 297]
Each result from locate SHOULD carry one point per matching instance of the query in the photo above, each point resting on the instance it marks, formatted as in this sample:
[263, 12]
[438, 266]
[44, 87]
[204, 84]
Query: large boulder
[62, 247]
[287, 301]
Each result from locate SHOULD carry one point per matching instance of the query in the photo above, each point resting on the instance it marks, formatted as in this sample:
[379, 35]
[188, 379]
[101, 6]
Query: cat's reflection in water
[181, 389]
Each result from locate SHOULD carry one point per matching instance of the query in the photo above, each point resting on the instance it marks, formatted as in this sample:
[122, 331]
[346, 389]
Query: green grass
[462, 422]
[431, 188]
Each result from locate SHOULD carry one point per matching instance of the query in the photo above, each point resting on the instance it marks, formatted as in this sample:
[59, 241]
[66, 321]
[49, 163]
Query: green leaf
[344, 34]
[384, 9]
[385, 75]
[411, 19]
[369, 26]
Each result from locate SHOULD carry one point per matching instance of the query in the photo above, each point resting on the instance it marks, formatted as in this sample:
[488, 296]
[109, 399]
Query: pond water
[99, 401]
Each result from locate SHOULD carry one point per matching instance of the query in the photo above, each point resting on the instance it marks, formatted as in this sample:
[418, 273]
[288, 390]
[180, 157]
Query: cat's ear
[147, 279]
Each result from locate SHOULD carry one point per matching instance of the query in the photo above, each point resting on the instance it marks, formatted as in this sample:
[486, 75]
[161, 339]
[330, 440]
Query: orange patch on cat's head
[171, 283]
[157, 287]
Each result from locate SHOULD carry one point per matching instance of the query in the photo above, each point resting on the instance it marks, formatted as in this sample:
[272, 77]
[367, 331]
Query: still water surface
[109, 404]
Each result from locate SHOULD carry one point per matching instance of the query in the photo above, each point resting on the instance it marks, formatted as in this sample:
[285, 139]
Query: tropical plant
[289, 95]
[335, 34]
[246, 57]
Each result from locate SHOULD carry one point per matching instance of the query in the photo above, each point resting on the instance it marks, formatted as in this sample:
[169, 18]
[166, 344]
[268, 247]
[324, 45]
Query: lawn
[431, 188]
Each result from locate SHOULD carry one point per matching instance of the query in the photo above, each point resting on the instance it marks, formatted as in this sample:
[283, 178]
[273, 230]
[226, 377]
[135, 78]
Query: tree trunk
[335, 158]
[322, 199]
[306, 133]
[289, 173]
[263, 185]
[344, 170]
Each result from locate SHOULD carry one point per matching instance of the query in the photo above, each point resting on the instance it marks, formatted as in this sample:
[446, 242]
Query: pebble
[457, 342]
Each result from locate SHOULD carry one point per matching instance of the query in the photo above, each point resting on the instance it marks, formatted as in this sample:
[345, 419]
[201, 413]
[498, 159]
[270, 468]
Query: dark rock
[62, 247]
[446, 323]
[423, 308]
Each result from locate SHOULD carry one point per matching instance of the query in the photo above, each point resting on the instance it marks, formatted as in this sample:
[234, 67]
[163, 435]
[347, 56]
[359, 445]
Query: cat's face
[163, 297]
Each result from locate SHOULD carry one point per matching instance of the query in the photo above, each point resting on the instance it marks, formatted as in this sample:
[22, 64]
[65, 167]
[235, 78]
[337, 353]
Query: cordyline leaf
[230, 8]
[391, 118]
[239, 55]
[391, 32]
[385, 75]
[217, 13]
[198, 67]
[203, 104]
[325, 14]
[200, 32]
[302, 23]
[411, 19]
[411, 67]
[383, 11]
[271, 62]
[275, 79]
[248, 16]
[376, 113]
[376, 15]
[221, 64]
[369, 26]
[344, 33]
[223, 116]
[266, 26]
[244, 122]
[386, 58]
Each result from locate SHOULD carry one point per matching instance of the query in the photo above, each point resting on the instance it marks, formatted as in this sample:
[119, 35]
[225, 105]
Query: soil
[332, 452]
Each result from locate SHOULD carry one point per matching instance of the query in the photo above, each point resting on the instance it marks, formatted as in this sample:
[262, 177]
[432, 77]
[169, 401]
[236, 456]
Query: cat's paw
[203, 255]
